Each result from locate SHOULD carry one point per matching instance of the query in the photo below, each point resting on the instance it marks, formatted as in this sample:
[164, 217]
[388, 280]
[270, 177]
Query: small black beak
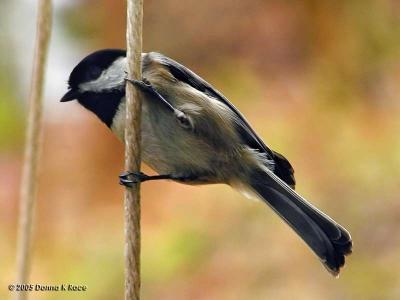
[70, 95]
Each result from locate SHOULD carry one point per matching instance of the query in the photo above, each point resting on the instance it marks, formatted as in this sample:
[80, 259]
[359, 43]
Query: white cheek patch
[111, 78]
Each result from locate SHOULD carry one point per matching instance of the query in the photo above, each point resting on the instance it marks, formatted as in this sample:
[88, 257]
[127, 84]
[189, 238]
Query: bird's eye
[94, 72]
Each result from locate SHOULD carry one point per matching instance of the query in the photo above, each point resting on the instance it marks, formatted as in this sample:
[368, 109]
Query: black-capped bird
[192, 134]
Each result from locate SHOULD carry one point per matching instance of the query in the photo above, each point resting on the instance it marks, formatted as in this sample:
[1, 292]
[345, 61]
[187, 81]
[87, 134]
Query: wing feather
[283, 169]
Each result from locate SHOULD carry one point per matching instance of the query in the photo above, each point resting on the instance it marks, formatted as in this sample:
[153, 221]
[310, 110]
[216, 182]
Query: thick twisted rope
[132, 150]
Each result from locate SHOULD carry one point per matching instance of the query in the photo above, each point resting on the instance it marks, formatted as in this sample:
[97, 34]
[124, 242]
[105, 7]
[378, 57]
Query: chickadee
[192, 134]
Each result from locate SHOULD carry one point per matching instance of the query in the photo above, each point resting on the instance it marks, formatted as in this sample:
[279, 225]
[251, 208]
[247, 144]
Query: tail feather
[329, 240]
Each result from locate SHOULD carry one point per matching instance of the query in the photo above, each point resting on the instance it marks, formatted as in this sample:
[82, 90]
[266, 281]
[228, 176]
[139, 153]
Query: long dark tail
[329, 240]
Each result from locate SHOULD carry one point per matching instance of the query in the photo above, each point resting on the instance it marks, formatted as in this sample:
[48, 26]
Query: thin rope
[132, 150]
[32, 146]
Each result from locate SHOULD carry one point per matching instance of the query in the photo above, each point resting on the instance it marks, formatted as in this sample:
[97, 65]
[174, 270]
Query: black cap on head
[104, 103]
[89, 69]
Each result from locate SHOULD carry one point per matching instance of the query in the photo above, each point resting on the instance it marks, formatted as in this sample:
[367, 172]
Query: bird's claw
[128, 179]
[142, 84]
[145, 86]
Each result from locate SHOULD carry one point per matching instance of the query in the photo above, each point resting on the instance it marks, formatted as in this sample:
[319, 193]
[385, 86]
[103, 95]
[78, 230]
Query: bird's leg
[129, 178]
[145, 86]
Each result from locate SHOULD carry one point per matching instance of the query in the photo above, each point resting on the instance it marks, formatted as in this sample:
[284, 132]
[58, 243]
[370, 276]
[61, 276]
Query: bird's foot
[143, 85]
[128, 179]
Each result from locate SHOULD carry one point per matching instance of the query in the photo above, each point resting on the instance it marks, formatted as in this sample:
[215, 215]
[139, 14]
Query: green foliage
[174, 250]
[11, 121]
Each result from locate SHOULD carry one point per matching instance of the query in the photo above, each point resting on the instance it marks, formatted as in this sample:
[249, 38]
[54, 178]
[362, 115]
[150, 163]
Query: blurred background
[318, 80]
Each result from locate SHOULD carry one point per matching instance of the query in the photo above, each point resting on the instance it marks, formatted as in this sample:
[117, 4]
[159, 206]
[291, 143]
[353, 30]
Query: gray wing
[283, 169]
